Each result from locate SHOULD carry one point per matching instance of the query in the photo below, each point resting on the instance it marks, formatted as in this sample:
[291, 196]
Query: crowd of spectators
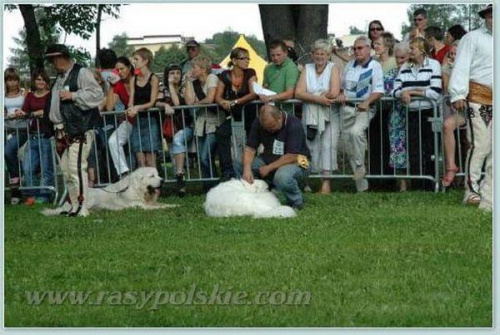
[339, 103]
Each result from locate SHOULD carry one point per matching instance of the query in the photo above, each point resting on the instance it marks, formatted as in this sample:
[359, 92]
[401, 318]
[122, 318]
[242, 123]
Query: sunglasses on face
[243, 58]
[376, 28]
[417, 19]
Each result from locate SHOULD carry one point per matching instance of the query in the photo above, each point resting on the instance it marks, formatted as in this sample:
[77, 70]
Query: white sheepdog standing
[239, 198]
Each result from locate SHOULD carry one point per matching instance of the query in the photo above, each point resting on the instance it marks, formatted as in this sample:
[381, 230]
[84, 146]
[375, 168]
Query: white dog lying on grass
[240, 198]
[139, 189]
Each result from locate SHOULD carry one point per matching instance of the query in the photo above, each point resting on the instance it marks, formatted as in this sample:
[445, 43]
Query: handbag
[168, 128]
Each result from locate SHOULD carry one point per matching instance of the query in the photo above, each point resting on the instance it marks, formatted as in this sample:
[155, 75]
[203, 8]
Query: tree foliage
[445, 16]
[164, 57]
[120, 46]
[356, 31]
[62, 19]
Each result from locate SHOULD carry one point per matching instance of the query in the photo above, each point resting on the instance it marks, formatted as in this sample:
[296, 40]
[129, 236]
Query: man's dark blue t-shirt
[290, 139]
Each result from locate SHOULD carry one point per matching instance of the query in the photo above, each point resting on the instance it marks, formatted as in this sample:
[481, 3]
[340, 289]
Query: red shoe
[449, 176]
[29, 202]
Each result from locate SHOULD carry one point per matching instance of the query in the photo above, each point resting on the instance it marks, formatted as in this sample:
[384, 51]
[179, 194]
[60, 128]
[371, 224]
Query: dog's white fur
[240, 198]
[139, 189]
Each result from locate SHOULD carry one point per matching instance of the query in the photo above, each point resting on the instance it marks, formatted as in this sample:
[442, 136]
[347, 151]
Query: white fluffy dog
[139, 189]
[240, 198]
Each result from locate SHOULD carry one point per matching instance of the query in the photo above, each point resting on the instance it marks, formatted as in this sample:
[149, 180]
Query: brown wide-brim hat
[485, 10]
[57, 50]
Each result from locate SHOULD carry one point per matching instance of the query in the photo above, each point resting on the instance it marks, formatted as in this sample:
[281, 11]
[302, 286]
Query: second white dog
[240, 198]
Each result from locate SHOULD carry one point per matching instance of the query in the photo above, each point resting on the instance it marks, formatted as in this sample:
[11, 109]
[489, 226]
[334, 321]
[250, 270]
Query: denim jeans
[181, 140]
[206, 148]
[11, 147]
[38, 158]
[286, 179]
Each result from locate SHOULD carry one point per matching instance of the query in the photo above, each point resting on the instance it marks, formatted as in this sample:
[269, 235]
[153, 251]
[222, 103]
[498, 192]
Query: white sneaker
[15, 201]
[359, 173]
[362, 185]
[471, 198]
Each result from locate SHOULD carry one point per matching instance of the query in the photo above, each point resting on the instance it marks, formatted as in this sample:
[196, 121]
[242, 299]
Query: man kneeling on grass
[285, 159]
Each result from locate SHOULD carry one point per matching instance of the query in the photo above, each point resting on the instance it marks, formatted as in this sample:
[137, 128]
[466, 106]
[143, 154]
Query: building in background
[155, 42]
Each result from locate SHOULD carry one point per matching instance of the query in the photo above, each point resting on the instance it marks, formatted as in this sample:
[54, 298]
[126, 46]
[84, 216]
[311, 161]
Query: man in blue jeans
[285, 159]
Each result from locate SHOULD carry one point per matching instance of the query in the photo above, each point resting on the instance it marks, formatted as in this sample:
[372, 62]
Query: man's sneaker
[15, 201]
[181, 185]
[471, 198]
[359, 173]
[361, 185]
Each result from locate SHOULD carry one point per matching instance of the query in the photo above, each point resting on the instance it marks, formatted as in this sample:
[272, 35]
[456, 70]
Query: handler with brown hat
[73, 109]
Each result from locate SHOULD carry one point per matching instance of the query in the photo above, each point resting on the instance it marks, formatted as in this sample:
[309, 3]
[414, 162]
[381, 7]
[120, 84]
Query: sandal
[449, 176]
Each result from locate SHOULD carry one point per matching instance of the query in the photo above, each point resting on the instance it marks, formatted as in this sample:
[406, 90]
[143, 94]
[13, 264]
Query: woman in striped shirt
[419, 77]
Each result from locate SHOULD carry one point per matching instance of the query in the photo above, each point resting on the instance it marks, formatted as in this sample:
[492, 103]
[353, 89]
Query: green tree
[120, 46]
[69, 19]
[164, 57]
[356, 31]
[445, 16]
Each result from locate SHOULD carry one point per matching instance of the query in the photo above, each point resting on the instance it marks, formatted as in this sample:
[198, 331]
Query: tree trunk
[98, 34]
[302, 23]
[312, 24]
[277, 23]
[33, 40]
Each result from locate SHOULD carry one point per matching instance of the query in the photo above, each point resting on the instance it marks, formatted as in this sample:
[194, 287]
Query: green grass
[375, 259]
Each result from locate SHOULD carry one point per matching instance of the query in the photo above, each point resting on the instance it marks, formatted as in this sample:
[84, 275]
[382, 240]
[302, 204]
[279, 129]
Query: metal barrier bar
[194, 169]
[26, 168]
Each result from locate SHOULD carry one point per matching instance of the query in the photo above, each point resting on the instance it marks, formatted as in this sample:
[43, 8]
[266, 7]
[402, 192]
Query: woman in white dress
[319, 87]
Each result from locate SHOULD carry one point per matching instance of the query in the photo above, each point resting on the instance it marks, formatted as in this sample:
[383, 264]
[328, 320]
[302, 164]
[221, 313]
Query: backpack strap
[198, 90]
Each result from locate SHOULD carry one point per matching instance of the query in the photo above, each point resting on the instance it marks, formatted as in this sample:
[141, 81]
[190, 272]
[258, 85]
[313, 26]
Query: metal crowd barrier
[376, 167]
[32, 169]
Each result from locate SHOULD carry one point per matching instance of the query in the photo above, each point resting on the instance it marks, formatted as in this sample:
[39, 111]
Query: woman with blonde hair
[201, 90]
[419, 77]
[319, 87]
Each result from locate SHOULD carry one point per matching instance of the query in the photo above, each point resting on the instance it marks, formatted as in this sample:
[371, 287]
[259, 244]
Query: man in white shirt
[362, 79]
[470, 90]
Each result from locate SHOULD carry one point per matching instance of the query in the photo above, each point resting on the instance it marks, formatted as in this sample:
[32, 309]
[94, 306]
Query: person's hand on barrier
[460, 105]
[264, 171]
[226, 104]
[264, 98]
[132, 111]
[248, 176]
[341, 98]
[323, 100]
[406, 97]
[65, 95]
[363, 106]
[19, 113]
[169, 110]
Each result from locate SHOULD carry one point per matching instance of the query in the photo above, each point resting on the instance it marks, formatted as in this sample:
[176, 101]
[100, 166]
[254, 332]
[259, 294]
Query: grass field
[375, 259]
